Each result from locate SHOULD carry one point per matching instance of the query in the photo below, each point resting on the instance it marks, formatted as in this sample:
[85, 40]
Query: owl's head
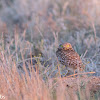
[65, 46]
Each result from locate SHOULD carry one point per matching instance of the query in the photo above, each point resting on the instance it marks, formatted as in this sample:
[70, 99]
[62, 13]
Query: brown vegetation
[30, 32]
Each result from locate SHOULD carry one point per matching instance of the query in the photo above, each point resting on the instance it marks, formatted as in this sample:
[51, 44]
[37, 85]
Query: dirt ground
[85, 87]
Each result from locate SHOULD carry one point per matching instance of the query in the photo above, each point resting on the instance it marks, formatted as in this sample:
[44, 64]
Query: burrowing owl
[68, 57]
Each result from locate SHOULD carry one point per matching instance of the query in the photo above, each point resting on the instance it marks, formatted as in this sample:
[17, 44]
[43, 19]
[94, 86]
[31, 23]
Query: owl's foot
[69, 74]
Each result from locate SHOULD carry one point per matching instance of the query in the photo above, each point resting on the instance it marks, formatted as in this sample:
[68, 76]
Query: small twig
[77, 74]
[94, 32]
[85, 53]
[80, 74]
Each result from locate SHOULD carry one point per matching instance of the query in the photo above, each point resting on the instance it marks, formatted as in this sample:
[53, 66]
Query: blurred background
[44, 24]
[30, 32]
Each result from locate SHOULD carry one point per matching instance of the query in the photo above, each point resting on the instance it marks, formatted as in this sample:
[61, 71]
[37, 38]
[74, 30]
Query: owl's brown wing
[73, 59]
[61, 56]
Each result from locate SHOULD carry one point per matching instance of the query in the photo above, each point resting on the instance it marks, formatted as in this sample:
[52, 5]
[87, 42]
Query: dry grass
[14, 87]
[31, 31]
[45, 83]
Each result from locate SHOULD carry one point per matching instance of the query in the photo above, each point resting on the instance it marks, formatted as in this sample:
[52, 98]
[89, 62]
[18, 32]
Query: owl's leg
[68, 73]
[74, 73]
[71, 75]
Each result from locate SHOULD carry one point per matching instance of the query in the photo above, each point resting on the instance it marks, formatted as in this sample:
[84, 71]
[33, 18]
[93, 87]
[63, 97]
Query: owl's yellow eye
[67, 45]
